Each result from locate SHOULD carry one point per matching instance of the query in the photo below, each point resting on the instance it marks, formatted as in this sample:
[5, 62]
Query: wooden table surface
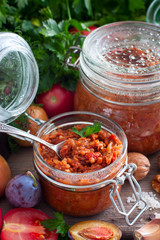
[23, 160]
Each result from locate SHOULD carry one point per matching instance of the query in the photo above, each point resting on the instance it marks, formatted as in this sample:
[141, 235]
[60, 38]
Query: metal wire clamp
[114, 193]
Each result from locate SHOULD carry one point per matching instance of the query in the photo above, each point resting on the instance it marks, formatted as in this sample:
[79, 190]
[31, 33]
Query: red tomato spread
[81, 154]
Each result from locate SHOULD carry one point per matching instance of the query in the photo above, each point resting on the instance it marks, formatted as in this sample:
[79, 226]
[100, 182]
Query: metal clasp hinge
[76, 49]
[136, 190]
[36, 120]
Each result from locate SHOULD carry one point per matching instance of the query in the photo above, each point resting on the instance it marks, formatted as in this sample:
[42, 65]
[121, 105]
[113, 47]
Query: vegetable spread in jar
[81, 154]
[120, 78]
[93, 154]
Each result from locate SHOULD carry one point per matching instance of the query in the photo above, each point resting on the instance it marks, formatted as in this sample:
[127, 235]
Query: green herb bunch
[45, 25]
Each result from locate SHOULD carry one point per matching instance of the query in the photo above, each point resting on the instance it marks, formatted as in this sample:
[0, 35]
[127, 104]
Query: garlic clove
[150, 231]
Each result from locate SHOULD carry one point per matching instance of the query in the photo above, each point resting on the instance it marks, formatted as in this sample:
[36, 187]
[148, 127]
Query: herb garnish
[57, 224]
[88, 130]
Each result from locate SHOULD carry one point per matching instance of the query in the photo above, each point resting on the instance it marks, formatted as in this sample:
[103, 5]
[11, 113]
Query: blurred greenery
[45, 25]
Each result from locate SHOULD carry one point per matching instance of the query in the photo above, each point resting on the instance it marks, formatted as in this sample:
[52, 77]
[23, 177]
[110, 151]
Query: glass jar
[119, 71]
[80, 194]
[19, 76]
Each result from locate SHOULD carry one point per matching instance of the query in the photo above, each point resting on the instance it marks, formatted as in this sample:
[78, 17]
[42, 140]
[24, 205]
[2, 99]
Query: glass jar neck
[120, 89]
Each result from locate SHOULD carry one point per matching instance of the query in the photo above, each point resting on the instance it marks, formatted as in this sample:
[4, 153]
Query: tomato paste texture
[81, 154]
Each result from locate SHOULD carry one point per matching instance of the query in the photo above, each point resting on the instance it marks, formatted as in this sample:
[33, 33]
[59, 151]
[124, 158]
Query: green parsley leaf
[57, 224]
[88, 130]
[80, 133]
[50, 28]
[22, 3]
[88, 5]
[78, 25]
[134, 5]
[96, 127]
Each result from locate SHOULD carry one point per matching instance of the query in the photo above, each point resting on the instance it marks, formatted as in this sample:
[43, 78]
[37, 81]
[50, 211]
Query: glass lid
[126, 49]
[18, 76]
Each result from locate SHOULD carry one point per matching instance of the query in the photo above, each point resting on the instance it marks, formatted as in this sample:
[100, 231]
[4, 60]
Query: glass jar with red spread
[89, 176]
[119, 69]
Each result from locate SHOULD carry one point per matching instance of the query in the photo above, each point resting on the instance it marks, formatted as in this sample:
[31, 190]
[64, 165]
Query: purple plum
[24, 190]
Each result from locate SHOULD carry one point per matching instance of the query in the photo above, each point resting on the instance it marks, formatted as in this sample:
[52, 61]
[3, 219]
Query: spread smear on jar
[133, 55]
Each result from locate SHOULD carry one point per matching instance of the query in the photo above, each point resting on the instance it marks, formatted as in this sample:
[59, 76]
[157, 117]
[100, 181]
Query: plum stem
[33, 177]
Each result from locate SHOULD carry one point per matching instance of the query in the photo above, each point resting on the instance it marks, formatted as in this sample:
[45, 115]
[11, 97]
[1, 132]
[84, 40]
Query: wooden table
[23, 160]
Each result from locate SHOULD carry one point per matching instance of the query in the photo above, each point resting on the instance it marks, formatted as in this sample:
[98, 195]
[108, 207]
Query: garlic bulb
[150, 231]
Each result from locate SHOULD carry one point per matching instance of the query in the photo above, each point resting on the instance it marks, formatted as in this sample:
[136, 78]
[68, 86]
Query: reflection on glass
[153, 13]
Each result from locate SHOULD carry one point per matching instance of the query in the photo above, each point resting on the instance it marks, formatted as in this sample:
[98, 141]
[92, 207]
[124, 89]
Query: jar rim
[111, 36]
[51, 123]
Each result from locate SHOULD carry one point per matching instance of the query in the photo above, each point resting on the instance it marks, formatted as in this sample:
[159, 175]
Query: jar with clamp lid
[86, 190]
[119, 72]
